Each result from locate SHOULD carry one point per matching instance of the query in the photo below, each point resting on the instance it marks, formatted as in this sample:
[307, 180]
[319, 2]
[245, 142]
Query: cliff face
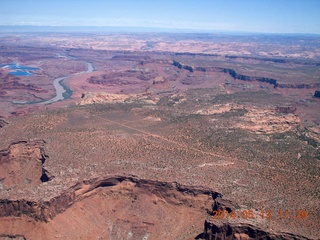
[43, 211]
[183, 206]
[249, 78]
[112, 207]
[9, 237]
[21, 164]
[40, 211]
[179, 65]
[242, 77]
[2, 123]
[231, 72]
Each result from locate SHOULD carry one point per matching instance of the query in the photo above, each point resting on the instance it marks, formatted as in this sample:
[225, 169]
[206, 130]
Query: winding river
[60, 89]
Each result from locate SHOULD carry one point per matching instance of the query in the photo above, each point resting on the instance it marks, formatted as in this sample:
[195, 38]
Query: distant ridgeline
[231, 72]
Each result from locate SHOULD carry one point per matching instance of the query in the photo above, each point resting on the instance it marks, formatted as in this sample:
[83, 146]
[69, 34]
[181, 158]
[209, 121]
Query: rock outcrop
[45, 210]
[286, 109]
[182, 66]
[2, 123]
[40, 211]
[21, 164]
[159, 193]
[228, 231]
[10, 237]
[256, 119]
[102, 97]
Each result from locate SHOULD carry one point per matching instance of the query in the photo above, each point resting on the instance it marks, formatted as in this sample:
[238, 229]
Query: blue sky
[270, 16]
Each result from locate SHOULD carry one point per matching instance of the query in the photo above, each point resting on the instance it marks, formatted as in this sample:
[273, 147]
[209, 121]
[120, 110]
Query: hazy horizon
[112, 29]
[274, 16]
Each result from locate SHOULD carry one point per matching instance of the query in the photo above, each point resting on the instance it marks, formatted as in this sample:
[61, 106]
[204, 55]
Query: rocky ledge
[21, 165]
[197, 199]
[45, 210]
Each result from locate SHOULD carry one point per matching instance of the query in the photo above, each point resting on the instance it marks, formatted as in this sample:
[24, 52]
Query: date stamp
[300, 214]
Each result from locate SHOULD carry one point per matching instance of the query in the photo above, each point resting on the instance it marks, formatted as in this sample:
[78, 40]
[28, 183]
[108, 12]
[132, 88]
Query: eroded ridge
[131, 206]
[45, 210]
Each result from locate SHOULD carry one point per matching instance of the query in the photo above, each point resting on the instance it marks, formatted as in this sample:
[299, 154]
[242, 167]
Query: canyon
[155, 133]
